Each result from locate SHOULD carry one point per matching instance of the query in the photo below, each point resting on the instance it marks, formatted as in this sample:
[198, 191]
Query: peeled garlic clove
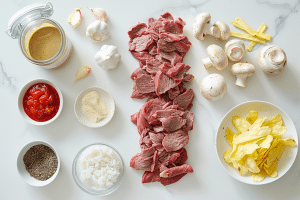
[99, 14]
[82, 72]
[108, 57]
[97, 31]
[75, 18]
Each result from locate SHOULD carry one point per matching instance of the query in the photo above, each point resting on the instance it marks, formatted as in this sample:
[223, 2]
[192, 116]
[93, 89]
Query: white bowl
[105, 98]
[264, 110]
[88, 189]
[24, 173]
[22, 93]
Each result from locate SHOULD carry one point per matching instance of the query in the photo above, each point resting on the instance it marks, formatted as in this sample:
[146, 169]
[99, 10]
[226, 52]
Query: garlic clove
[99, 13]
[97, 31]
[75, 18]
[82, 72]
[108, 57]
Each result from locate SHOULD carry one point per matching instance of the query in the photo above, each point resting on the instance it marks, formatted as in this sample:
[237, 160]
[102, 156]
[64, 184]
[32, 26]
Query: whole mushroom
[242, 71]
[213, 87]
[272, 59]
[235, 50]
[216, 58]
[201, 28]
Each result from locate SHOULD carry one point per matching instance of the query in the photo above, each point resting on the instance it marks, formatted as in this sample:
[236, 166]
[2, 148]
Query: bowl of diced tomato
[40, 102]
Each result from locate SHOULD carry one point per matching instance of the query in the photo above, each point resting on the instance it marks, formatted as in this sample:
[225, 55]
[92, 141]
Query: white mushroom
[235, 50]
[213, 87]
[242, 71]
[216, 58]
[272, 59]
[201, 28]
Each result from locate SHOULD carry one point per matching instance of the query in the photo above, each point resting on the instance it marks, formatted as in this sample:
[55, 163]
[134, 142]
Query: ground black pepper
[40, 162]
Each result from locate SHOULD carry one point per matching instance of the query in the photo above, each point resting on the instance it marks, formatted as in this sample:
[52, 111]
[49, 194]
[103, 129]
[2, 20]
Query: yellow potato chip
[229, 136]
[288, 141]
[243, 150]
[276, 120]
[266, 143]
[251, 135]
[257, 124]
[252, 166]
[252, 116]
[240, 124]
[259, 177]
[272, 170]
[226, 156]
[274, 153]
[278, 130]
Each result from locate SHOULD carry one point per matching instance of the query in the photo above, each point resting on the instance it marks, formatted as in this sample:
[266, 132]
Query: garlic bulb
[75, 18]
[97, 31]
[99, 14]
[108, 57]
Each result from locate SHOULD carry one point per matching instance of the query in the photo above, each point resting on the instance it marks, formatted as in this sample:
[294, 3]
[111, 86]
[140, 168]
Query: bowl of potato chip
[257, 142]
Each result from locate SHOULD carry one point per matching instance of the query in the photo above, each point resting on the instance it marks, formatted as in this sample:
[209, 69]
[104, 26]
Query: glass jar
[28, 24]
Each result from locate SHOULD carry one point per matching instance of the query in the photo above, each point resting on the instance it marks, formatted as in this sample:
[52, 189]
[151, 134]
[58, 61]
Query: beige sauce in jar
[44, 43]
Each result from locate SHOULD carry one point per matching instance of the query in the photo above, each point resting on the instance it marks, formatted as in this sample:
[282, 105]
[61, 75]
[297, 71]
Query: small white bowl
[264, 109]
[22, 93]
[88, 189]
[24, 173]
[105, 97]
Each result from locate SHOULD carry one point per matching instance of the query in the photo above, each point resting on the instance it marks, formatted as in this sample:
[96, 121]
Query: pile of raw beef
[164, 120]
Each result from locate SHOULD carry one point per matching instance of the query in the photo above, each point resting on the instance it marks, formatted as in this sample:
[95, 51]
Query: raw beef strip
[152, 66]
[163, 45]
[189, 116]
[141, 43]
[142, 56]
[182, 158]
[137, 73]
[133, 118]
[175, 171]
[147, 141]
[150, 108]
[153, 50]
[163, 83]
[165, 67]
[140, 163]
[137, 30]
[187, 78]
[173, 57]
[172, 27]
[184, 100]
[173, 123]
[151, 176]
[181, 47]
[168, 181]
[155, 159]
[162, 114]
[171, 37]
[145, 84]
[156, 138]
[173, 92]
[175, 141]
[167, 16]
[168, 157]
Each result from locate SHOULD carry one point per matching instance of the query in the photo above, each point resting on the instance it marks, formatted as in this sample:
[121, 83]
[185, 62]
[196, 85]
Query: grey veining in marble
[6, 81]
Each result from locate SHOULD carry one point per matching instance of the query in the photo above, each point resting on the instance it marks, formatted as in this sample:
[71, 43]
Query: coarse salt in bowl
[25, 174]
[264, 109]
[86, 185]
[21, 96]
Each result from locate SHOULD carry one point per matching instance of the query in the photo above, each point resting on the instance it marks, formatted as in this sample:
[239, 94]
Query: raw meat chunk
[184, 100]
[175, 141]
[175, 171]
[151, 176]
[140, 163]
[137, 30]
[145, 84]
[173, 123]
[168, 181]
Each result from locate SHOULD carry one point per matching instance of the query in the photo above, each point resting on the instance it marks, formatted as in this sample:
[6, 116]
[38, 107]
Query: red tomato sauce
[41, 102]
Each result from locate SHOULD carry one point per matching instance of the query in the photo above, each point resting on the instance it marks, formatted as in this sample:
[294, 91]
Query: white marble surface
[68, 135]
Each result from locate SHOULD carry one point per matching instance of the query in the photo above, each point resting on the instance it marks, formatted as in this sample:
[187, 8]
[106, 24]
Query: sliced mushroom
[201, 28]
[213, 87]
[242, 71]
[235, 50]
[272, 59]
[216, 58]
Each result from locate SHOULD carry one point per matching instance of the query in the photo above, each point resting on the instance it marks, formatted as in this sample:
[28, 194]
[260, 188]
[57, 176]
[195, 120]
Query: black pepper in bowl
[40, 162]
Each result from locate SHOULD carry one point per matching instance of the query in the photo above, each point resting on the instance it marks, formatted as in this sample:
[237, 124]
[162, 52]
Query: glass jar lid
[20, 19]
